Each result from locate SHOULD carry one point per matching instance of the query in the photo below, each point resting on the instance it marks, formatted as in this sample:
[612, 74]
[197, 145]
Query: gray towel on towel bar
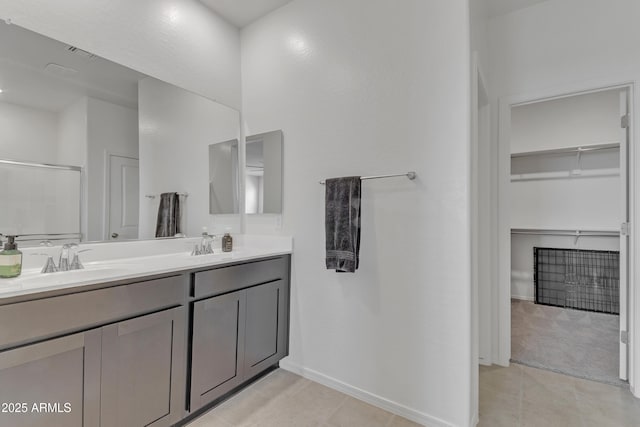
[342, 223]
[168, 224]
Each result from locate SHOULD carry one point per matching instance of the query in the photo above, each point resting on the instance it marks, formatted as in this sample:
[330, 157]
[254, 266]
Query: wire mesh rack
[578, 278]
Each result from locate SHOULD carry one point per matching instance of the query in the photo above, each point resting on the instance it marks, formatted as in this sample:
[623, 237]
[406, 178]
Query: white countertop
[107, 262]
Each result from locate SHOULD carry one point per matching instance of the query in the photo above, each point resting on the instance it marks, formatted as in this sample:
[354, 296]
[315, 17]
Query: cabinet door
[217, 348]
[55, 383]
[141, 370]
[266, 327]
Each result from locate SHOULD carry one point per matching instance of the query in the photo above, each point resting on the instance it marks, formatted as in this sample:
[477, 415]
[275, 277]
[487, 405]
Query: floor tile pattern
[517, 396]
[520, 396]
[283, 399]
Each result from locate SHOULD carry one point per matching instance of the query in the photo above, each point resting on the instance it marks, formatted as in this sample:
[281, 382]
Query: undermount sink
[72, 276]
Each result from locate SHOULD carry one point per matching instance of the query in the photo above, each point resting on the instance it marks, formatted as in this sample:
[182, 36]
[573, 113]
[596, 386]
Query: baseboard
[474, 420]
[522, 298]
[484, 362]
[380, 402]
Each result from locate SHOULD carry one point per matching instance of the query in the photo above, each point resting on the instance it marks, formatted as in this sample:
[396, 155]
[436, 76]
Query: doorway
[122, 198]
[564, 204]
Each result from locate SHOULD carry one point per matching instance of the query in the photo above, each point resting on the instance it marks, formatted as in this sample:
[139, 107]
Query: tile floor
[524, 396]
[283, 399]
[517, 396]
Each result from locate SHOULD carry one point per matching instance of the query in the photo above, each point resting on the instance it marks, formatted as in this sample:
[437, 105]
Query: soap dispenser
[227, 242]
[10, 259]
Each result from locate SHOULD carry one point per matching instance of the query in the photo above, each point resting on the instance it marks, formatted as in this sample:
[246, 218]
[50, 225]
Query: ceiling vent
[60, 70]
[83, 53]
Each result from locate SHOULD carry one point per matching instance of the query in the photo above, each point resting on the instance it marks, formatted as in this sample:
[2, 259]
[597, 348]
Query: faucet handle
[196, 250]
[46, 243]
[49, 266]
[75, 262]
[63, 261]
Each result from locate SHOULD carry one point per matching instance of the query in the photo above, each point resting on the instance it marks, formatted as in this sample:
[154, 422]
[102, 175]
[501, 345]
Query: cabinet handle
[114, 235]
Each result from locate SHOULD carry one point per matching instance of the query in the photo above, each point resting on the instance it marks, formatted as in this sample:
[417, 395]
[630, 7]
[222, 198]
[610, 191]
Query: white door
[124, 185]
[624, 238]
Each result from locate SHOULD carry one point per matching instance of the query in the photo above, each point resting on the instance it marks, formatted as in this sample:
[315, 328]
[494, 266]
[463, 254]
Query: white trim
[634, 239]
[503, 294]
[474, 224]
[523, 297]
[505, 103]
[365, 396]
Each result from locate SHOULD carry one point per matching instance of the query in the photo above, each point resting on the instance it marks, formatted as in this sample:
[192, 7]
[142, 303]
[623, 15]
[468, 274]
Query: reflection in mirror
[70, 118]
[263, 173]
[223, 178]
[121, 137]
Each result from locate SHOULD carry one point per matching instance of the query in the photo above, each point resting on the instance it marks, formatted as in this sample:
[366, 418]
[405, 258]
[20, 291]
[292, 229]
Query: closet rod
[575, 173]
[567, 150]
[561, 232]
[410, 175]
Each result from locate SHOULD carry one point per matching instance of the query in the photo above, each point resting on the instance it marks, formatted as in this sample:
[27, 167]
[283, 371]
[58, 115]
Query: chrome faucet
[206, 245]
[63, 260]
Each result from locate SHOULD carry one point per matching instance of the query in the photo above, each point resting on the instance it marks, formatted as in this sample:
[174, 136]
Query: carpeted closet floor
[578, 343]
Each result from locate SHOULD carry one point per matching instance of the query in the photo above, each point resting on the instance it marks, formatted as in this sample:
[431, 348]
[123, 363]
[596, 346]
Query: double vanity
[137, 339]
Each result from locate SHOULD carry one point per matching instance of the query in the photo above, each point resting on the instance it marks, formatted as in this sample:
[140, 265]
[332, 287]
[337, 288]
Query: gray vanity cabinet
[54, 383]
[238, 334]
[218, 345]
[266, 327]
[141, 360]
[125, 368]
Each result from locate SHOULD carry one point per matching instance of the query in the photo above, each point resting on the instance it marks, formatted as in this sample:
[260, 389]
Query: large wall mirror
[88, 146]
[262, 175]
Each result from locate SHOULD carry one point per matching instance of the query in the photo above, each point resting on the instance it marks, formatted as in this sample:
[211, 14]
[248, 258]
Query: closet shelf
[569, 150]
[576, 233]
[575, 173]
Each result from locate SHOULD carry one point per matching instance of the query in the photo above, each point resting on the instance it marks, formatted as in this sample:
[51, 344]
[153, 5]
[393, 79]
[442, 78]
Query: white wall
[560, 46]
[368, 87]
[176, 128]
[533, 49]
[181, 42]
[72, 134]
[28, 134]
[111, 129]
[72, 148]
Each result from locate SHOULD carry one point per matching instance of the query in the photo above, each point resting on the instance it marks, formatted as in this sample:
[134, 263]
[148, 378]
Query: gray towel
[342, 223]
[168, 224]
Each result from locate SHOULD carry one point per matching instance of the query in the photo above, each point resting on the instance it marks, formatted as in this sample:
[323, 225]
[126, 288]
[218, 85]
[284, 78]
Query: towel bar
[410, 175]
[153, 196]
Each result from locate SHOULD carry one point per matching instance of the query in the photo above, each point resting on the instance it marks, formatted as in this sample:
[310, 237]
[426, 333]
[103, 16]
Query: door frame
[502, 334]
[106, 199]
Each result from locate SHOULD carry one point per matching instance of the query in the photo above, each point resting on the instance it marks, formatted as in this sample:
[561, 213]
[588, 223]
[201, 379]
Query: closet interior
[568, 197]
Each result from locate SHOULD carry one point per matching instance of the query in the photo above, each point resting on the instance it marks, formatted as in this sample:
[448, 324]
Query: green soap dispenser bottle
[10, 259]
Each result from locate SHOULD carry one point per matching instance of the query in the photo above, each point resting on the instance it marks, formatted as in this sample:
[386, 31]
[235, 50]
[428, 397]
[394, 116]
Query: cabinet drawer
[227, 279]
[50, 316]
